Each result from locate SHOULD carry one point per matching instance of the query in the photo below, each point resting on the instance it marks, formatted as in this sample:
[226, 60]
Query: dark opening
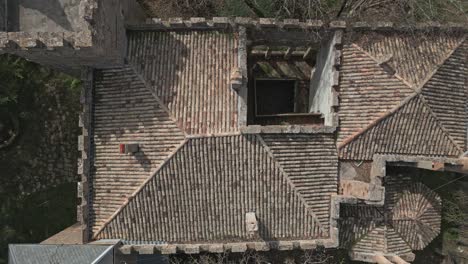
[274, 97]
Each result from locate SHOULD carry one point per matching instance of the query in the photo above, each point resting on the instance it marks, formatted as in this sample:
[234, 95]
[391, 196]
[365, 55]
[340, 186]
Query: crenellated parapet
[85, 161]
[309, 24]
[13, 41]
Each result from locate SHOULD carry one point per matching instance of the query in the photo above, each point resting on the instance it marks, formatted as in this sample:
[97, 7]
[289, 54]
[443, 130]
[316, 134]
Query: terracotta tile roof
[382, 239]
[205, 189]
[367, 91]
[190, 71]
[414, 56]
[431, 123]
[417, 216]
[446, 94]
[310, 162]
[357, 220]
[409, 220]
[72, 235]
[411, 129]
[176, 189]
[125, 111]
[197, 176]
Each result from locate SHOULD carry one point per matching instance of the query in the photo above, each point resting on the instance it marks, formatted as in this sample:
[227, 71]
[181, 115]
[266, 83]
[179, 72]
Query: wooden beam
[276, 53]
[288, 43]
[267, 53]
[307, 53]
[287, 55]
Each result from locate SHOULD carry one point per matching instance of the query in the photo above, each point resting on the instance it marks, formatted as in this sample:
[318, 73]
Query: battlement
[269, 23]
[11, 41]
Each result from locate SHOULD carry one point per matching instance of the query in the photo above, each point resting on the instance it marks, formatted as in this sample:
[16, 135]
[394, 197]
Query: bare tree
[220, 258]
[400, 11]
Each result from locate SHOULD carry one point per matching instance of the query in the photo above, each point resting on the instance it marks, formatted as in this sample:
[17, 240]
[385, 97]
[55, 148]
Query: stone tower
[67, 34]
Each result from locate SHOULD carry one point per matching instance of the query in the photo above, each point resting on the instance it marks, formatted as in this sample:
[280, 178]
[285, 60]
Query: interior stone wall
[322, 79]
[279, 68]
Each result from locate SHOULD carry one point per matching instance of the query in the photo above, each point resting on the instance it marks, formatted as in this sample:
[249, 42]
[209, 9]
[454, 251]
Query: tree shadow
[264, 232]
[144, 160]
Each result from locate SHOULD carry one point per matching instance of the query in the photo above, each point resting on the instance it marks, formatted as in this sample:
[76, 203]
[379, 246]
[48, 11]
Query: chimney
[236, 79]
[129, 148]
[251, 224]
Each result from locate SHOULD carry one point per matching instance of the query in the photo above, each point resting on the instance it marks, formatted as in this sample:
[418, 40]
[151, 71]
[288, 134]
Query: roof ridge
[434, 115]
[417, 91]
[378, 120]
[130, 198]
[370, 230]
[437, 121]
[399, 234]
[422, 208]
[385, 238]
[156, 97]
[442, 62]
[387, 231]
[288, 180]
[396, 75]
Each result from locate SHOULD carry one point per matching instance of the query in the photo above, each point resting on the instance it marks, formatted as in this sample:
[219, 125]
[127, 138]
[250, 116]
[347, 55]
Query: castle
[236, 134]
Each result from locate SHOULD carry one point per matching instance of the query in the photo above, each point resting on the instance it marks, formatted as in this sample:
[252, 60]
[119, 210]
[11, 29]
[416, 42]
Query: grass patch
[33, 218]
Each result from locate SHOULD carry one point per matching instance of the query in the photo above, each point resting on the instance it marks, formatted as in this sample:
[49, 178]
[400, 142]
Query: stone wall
[85, 160]
[263, 25]
[2, 15]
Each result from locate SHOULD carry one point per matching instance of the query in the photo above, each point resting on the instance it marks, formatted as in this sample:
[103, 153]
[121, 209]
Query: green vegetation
[33, 218]
[319, 255]
[38, 193]
[20, 77]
